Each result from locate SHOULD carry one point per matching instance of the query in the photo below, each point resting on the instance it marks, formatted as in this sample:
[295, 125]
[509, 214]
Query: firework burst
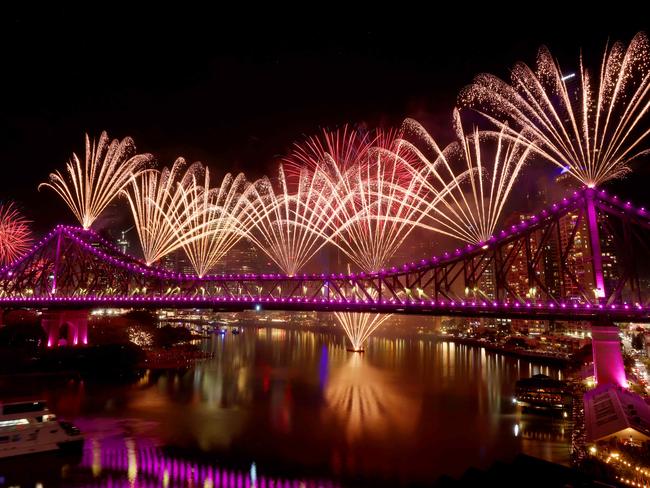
[91, 186]
[360, 326]
[376, 209]
[289, 225]
[207, 221]
[15, 235]
[372, 202]
[153, 196]
[463, 188]
[588, 125]
[342, 148]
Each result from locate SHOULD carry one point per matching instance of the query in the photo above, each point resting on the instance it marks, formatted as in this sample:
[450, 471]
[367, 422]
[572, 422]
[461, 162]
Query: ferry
[541, 393]
[30, 427]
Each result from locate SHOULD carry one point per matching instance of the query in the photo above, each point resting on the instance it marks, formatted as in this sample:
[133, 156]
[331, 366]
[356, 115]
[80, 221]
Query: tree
[638, 341]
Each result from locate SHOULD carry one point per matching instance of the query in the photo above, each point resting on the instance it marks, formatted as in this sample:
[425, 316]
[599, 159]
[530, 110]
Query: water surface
[275, 406]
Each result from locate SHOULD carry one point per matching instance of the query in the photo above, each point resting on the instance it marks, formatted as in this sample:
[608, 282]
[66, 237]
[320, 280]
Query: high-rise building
[123, 243]
[578, 282]
[578, 277]
[243, 258]
[608, 253]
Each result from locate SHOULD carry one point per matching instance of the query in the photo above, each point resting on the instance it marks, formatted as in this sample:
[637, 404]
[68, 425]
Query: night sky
[235, 91]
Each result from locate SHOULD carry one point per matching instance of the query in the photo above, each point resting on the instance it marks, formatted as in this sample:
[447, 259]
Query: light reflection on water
[122, 463]
[368, 403]
[301, 407]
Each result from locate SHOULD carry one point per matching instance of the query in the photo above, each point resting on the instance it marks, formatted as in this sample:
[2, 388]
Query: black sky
[234, 90]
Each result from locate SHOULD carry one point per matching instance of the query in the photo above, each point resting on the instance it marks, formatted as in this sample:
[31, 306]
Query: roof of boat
[20, 402]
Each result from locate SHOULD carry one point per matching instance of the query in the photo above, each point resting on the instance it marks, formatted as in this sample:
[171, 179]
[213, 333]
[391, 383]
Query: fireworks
[372, 203]
[153, 196]
[591, 129]
[343, 147]
[90, 187]
[15, 236]
[360, 326]
[368, 189]
[463, 188]
[288, 226]
[207, 221]
[376, 209]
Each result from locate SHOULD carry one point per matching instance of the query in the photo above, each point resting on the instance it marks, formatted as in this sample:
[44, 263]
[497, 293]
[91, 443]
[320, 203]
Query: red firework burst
[344, 147]
[15, 234]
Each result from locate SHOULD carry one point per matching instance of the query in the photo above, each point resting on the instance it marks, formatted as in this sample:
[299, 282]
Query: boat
[235, 330]
[29, 427]
[541, 393]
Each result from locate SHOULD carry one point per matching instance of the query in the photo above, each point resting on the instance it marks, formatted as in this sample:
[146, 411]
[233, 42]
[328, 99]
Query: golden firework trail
[373, 208]
[289, 225]
[207, 221]
[588, 125]
[153, 196]
[462, 189]
[360, 326]
[376, 209]
[91, 186]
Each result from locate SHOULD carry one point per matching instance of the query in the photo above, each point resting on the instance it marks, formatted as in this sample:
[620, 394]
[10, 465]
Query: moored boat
[29, 427]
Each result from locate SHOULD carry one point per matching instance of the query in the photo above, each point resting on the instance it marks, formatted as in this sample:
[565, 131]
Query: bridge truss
[576, 260]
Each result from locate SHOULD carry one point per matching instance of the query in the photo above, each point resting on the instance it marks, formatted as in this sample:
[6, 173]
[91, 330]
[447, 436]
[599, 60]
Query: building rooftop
[611, 411]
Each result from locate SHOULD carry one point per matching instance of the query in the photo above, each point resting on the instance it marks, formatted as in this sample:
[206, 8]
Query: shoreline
[522, 354]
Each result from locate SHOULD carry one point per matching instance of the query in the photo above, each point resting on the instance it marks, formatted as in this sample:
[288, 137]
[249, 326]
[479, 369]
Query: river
[276, 407]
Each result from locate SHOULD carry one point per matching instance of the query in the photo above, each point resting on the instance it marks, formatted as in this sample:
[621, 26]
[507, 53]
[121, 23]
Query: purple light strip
[44, 241]
[481, 307]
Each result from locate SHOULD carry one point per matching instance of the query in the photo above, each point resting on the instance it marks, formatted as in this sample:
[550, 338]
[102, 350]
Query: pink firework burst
[15, 234]
[343, 148]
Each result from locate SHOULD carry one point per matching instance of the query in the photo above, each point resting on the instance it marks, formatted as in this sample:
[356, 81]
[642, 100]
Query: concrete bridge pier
[608, 358]
[65, 327]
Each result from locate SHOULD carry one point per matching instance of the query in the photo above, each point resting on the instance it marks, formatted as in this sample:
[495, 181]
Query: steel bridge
[576, 260]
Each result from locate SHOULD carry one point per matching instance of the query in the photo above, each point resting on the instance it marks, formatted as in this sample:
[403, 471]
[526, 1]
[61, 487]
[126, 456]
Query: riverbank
[560, 359]
[179, 356]
[539, 356]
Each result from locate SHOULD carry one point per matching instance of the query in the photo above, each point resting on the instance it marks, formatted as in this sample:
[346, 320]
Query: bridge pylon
[608, 359]
[65, 327]
[594, 242]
